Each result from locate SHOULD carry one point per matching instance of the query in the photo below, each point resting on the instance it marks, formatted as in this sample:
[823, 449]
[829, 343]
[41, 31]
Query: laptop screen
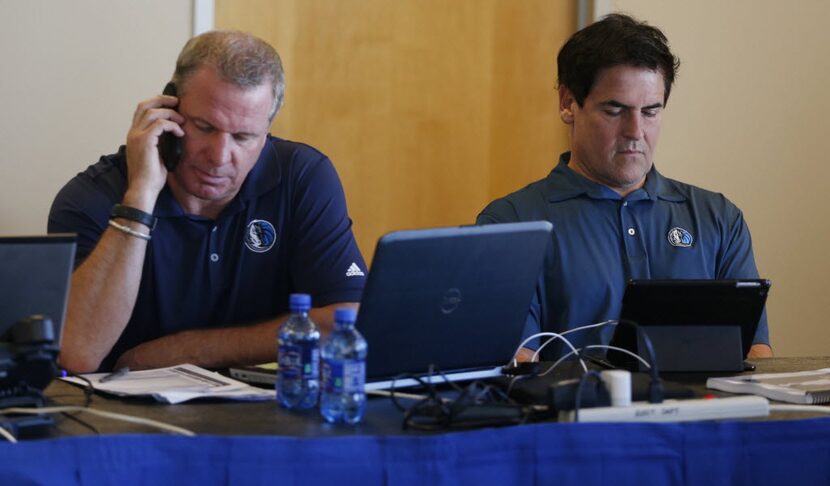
[35, 272]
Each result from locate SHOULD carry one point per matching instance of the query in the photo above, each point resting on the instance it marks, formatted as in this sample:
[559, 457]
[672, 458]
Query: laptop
[451, 300]
[693, 325]
[35, 272]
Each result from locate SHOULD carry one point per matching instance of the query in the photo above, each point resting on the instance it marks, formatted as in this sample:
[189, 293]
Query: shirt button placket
[214, 257]
[634, 249]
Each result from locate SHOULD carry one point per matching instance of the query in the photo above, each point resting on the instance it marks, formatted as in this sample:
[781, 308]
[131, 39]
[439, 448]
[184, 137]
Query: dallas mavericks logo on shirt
[260, 236]
[680, 237]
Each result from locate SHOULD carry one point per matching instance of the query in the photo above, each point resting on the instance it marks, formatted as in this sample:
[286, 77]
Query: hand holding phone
[170, 146]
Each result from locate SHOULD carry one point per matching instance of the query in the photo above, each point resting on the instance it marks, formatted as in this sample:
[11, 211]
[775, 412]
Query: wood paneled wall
[429, 108]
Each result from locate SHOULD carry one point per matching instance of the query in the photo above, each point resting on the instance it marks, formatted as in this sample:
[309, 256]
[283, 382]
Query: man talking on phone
[188, 255]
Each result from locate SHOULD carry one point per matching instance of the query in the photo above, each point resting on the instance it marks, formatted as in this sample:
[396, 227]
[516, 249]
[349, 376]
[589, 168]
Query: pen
[114, 375]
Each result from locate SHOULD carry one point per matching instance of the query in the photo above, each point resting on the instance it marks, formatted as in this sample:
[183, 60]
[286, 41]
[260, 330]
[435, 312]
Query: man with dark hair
[194, 261]
[615, 217]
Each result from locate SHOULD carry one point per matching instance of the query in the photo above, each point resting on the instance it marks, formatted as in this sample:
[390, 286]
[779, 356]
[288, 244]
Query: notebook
[802, 387]
[34, 279]
[453, 300]
[693, 325]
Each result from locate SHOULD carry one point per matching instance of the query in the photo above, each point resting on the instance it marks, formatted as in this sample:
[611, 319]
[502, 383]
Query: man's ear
[566, 105]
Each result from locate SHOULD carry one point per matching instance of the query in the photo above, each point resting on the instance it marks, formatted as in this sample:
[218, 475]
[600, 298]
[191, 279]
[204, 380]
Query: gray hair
[239, 58]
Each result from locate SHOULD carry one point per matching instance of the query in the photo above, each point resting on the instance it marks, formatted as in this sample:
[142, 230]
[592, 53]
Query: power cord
[395, 395]
[73, 417]
[570, 331]
[597, 346]
[478, 404]
[562, 359]
[579, 390]
[553, 337]
[431, 411]
[655, 387]
[520, 373]
[71, 411]
[89, 389]
[7, 435]
[111, 415]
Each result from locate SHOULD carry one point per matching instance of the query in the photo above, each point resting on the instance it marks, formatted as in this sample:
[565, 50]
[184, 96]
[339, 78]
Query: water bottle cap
[345, 314]
[299, 301]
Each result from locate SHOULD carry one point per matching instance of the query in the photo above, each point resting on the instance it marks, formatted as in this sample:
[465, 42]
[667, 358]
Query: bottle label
[344, 376]
[299, 361]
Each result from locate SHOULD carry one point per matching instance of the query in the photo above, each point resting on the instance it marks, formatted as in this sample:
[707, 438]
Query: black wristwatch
[133, 214]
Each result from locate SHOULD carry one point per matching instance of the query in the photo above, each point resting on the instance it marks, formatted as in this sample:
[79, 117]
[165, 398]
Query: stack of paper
[803, 387]
[175, 384]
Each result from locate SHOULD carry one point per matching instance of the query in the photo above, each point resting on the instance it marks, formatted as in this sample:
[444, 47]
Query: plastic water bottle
[298, 344]
[343, 398]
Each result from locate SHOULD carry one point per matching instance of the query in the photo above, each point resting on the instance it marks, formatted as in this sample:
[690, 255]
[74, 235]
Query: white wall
[747, 118]
[73, 72]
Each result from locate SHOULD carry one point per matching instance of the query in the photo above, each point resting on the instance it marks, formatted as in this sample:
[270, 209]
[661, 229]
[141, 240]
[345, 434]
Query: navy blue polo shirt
[287, 230]
[665, 230]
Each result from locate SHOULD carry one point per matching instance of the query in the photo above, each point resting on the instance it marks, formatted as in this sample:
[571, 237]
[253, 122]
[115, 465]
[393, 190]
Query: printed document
[175, 384]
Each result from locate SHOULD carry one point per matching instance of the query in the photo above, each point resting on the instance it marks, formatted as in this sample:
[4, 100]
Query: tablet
[694, 325]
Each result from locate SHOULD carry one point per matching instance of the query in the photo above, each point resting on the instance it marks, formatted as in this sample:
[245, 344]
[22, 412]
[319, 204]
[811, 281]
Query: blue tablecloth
[753, 453]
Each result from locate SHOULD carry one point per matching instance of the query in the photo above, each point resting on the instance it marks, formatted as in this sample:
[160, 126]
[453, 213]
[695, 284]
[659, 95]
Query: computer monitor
[35, 272]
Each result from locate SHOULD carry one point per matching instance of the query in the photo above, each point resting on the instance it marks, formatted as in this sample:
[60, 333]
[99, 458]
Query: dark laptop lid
[456, 298]
[34, 278]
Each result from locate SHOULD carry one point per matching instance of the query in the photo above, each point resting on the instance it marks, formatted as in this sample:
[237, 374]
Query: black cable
[89, 389]
[579, 388]
[430, 413]
[427, 384]
[478, 404]
[655, 387]
[427, 387]
[449, 382]
[83, 423]
[433, 406]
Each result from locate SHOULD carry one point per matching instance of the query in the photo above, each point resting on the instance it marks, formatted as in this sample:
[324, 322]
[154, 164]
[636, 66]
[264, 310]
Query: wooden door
[429, 109]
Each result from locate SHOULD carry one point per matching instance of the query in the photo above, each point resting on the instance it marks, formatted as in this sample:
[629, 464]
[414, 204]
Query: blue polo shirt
[287, 230]
[665, 230]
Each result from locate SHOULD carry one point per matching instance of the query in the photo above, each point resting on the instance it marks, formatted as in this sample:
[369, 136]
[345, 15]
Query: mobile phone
[170, 146]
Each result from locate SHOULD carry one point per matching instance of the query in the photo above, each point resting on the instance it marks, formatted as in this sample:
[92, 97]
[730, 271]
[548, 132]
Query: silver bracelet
[129, 231]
